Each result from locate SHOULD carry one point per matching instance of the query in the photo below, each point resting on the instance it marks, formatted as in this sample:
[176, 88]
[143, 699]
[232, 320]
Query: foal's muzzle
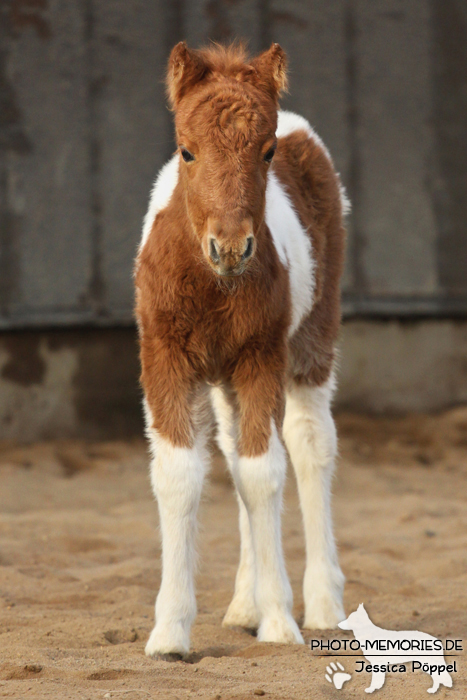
[230, 251]
[228, 261]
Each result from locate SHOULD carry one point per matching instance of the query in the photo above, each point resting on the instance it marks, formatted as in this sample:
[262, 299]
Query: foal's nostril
[249, 248]
[214, 250]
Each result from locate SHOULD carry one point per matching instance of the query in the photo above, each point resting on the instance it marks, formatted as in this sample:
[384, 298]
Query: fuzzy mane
[229, 61]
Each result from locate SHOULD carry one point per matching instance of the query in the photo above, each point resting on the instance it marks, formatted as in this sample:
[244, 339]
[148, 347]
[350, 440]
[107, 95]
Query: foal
[237, 282]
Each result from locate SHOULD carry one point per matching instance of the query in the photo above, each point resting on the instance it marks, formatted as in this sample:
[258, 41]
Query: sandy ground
[80, 567]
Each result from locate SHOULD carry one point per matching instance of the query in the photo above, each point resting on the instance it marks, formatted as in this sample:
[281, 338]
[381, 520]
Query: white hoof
[241, 613]
[280, 628]
[168, 640]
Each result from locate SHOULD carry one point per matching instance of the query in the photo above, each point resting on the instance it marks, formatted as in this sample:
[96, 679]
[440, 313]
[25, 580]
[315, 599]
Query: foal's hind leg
[243, 610]
[310, 436]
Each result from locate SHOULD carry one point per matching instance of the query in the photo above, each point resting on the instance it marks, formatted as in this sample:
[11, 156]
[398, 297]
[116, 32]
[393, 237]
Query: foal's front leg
[177, 473]
[259, 475]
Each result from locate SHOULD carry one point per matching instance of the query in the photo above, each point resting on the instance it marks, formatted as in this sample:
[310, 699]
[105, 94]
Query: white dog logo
[373, 638]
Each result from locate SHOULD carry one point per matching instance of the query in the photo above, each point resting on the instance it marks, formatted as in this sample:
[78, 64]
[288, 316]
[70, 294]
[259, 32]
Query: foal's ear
[271, 70]
[186, 67]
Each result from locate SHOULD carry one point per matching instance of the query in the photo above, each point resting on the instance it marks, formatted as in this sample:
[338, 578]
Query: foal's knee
[260, 479]
[177, 475]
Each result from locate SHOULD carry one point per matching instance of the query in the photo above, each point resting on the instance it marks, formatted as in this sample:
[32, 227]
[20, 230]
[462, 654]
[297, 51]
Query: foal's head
[225, 117]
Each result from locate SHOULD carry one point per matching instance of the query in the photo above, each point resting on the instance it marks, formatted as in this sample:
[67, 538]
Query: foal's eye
[186, 155]
[270, 154]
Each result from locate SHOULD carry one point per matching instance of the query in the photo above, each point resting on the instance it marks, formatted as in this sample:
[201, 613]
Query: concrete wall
[85, 383]
[69, 383]
[84, 129]
[398, 366]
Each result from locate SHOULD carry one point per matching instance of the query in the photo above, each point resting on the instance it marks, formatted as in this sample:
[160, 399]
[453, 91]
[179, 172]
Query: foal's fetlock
[280, 628]
[242, 612]
[168, 641]
[323, 595]
[323, 611]
[323, 614]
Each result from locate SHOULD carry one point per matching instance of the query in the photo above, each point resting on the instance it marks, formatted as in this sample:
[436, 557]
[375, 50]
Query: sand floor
[80, 567]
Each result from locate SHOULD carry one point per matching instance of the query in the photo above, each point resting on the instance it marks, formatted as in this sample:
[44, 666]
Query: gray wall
[83, 382]
[84, 129]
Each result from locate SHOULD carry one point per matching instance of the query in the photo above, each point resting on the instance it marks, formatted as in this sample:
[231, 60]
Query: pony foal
[238, 303]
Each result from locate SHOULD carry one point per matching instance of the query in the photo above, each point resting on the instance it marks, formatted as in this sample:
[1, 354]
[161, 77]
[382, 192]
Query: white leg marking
[242, 611]
[310, 436]
[177, 478]
[260, 483]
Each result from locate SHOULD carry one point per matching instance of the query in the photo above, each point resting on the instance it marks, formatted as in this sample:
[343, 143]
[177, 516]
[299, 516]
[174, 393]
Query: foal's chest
[215, 327]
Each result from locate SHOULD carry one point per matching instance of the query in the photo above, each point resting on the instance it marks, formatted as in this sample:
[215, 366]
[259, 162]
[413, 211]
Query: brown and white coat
[238, 304]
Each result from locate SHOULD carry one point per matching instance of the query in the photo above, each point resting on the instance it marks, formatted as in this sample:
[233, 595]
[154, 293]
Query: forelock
[230, 114]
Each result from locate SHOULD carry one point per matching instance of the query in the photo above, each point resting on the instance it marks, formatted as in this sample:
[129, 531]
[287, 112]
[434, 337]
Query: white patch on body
[293, 246]
[287, 123]
[310, 436]
[161, 194]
